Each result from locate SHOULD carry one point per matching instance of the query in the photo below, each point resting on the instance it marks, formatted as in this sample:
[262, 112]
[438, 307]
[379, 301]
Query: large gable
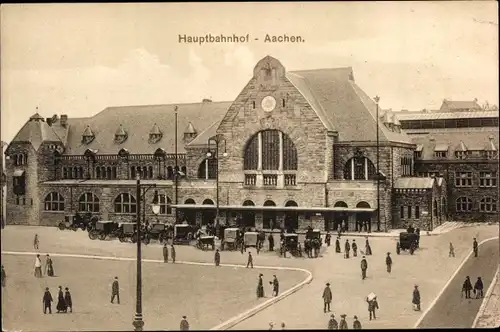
[36, 131]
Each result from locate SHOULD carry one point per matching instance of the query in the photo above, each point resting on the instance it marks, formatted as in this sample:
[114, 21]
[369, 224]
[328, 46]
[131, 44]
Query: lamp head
[155, 206]
[138, 176]
[209, 154]
[224, 154]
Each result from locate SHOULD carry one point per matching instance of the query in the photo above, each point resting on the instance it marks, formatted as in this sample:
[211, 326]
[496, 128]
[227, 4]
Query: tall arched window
[270, 150]
[359, 168]
[125, 203]
[208, 169]
[54, 201]
[114, 172]
[165, 202]
[150, 172]
[464, 204]
[170, 173]
[488, 204]
[88, 202]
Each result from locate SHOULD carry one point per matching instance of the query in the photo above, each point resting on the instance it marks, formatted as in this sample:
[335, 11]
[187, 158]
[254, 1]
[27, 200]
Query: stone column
[259, 160]
[366, 169]
[352, 169]
[259, 223]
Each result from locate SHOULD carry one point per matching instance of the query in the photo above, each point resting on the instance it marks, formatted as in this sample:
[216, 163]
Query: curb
[486, 299]
[431, 305]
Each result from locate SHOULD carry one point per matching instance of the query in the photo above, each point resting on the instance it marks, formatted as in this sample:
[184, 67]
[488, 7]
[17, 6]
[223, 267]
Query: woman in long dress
[337, 245]
[49, 267]
[38, 267]
[260, 287]
[61, 303]
[368, 248]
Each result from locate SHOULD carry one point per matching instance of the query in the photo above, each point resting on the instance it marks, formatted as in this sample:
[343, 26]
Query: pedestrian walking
[271, 241]
[417, 231]
[165, 253]
[328, 239]
[478, 288]
[416, 299]
[250, 260]
[217, 257]
[276, 286]
[368, 248]
[172, 252]
[354, 248]
[347, 248]
[38, 266]
[271, 325]
[260, 287]
[49, 267]
[372, 306]
[452, 251]
[115, 291]
[184, 326]
[327, 298]
[343, 323]
[332, 323]
[283, 325]
[467, 287]
[61, 304]
[68, 300]
[356, 325]
[47, 301]
[475, 247]
[364, 267]
[337, 245]
[36, 242]
[388, 262]
[4, 277]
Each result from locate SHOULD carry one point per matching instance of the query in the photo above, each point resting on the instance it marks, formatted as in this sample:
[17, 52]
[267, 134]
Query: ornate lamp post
[138, 322]
[377, 99]
[214, 154]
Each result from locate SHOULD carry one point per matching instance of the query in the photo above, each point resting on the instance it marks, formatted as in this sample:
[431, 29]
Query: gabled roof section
[155, 130]
[120, 131]
[36, 131]
[202, 138]
[414, 183]
[453, 105]
[461, 147]
[190, 129]
[441, 147]
[490, 146]
[88, 132]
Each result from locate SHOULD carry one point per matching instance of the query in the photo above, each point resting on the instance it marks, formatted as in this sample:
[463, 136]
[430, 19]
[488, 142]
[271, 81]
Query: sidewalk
[490, 317]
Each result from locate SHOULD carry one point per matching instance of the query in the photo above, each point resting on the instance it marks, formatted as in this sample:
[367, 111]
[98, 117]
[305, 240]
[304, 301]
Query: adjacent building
[294, 149]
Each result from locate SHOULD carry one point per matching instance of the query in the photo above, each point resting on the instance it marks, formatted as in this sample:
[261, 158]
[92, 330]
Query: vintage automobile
[230, 240]
[126, 231]
[407, 241]
[204, 241]
[183, 233]
[103, 229]
[157, 232]
[292, 243]
[76, 221]
[250, 239]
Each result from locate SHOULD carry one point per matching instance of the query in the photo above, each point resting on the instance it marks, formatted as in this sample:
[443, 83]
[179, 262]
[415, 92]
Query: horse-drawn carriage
[157, 232]
[291, 242]
[231, 239]
[104, 229]
[77, 221]
[313, 242]
[407, 241]
[183, 233]
[251, 239]
[126, 231]
[204, 241]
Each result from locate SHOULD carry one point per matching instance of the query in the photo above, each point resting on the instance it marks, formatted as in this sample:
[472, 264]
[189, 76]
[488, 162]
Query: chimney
[49, 121]
[64, 120]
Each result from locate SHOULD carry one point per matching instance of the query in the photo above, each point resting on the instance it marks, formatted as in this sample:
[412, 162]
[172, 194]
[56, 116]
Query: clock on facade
[268, 103]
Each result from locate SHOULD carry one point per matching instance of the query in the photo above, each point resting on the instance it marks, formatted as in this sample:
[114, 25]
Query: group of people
[274, 284]
[332, 323]
[64, 301]
[166, 255]
[477, 289]
[348, 247]
[342, 325]
[49, 266]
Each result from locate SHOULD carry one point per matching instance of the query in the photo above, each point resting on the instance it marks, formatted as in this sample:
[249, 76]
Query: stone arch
[269, 216]
[208, 215]
[248, 215]
[189, 214]
[273, 142]
[291, 217]
[359, 168]
[341, 204]
[363, 219]
[363, 205]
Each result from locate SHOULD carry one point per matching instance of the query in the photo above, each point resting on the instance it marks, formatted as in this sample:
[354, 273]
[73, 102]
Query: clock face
[268, 103]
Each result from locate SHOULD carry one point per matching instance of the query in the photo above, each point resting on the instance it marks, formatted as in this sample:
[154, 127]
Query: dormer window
[20, 159]
[461, 154]
[490, 154]
[155, 134]
[88, 135]
[120, 135]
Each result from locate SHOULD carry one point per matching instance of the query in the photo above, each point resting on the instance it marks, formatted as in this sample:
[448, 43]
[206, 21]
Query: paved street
[430, 267]
[452, 310]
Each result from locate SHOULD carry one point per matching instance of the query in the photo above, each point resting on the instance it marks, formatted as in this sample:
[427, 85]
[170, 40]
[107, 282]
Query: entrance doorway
[363, 219]
[208, 215]
[269, 216]
[340, 218]
[291, 217]
[189, 214]
[248, 215]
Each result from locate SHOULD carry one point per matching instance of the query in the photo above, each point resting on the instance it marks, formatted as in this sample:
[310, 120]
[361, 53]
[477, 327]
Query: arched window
[125, 203]
[98, 172]
[88, 202]
[208, 169]
[189, 201]
[170, 173]
[359, 168]
[363, 205]
[340, 204]
[150, 172]
[80, 169]
[64, 173]
[108, 173]
[133, 175]
[165, 203]
[464, 204]
[488, 204]
[278, 152]
[184, 171]
[54, 202]
[103, 173]
[114, 172]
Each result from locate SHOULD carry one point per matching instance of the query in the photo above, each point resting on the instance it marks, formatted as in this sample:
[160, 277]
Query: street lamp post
[218, 139]
[138, 322]
[377, 99]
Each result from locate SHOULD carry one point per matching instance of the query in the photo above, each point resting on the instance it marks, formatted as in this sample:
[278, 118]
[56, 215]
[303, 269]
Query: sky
[78, 59]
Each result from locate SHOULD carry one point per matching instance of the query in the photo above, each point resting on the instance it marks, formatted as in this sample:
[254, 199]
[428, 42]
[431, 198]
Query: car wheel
[102, 236]
[92, 235]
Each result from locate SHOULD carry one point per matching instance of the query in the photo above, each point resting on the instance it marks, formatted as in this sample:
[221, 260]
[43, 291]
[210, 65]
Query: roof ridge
[319, 69]
[204, 131]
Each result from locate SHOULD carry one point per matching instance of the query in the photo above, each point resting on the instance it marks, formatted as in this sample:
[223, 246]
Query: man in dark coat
[217, 257]
[276, 286]
[260, 287]
[347, 248]
[271, 241]
[4, 277]
[184, 326]
[364, 267]
[368, 248]
[115, 291]
[343, 323]
[356, 325]
[68, 300]
[328, 239]
[47, 301]
[327, 298]
[467, 287]
[61, 304]
[417, 231]
[354, 248]
[452, 251]
[172, 252]
[372, 307]
[332, 323]
[388, 262]
[165, 253]
[36, 242]
[416, 299]
[478, 288]
[250, 260]
[475, 246]
[337, 245]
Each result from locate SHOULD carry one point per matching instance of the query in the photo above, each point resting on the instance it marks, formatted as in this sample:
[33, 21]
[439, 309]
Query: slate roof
[459, 105]
[190, 129]
[407, 116]
[36, 131]
[414, 183]
[202, 138]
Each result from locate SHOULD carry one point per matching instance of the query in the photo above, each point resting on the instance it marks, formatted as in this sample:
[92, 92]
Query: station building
[294, 149]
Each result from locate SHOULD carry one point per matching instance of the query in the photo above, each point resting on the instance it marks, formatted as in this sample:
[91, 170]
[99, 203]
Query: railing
[180, 156]
[290, 180]
[250, 179]
[270, 179]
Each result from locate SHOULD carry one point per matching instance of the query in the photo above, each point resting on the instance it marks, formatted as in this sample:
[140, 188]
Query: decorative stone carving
[269, 123]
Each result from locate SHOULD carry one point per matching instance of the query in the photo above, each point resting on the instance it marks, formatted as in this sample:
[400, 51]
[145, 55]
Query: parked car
[407, 241]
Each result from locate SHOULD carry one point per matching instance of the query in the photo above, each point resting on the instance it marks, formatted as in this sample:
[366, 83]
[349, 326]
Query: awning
[271, 208]
[18, 172]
